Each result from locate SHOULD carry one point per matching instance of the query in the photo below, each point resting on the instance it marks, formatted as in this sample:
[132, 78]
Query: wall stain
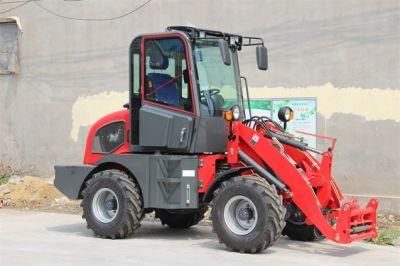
[371, 104]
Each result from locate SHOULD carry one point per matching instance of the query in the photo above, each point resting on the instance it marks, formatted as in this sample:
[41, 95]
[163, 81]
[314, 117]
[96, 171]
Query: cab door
[166, 117]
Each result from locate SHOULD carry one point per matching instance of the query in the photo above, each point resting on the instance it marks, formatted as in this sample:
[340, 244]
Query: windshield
[218, 82]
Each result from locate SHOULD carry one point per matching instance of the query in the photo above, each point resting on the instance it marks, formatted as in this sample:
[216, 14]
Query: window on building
[9, 31]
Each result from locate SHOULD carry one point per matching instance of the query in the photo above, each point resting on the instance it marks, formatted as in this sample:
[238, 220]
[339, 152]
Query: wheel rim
[105, 205]
[240, 215]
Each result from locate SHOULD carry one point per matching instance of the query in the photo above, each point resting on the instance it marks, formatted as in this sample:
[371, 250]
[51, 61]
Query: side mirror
[262, 57]
[285, 114]
[225, 53]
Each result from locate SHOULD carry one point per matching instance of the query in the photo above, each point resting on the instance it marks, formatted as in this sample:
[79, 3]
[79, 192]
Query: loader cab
[181, 82]
[179, 88]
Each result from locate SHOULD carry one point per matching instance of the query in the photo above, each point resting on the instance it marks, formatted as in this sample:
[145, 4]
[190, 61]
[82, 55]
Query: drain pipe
[264, 173]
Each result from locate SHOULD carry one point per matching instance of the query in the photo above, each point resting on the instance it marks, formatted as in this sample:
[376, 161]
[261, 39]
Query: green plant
[385, 237]
[8, 168]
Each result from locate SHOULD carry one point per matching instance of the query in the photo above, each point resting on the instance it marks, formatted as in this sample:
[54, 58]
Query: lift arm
[308, 182]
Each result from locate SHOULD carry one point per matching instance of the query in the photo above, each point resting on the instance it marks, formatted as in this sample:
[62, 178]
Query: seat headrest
[158, 61]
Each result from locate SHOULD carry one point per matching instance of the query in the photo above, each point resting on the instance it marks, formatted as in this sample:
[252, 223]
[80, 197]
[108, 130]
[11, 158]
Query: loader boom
[309, 184]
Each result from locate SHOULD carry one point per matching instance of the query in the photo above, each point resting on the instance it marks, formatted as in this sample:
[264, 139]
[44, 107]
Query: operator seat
[164, 88]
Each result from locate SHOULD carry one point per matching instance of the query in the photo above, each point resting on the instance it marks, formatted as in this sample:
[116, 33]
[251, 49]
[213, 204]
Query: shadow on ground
[209, 240]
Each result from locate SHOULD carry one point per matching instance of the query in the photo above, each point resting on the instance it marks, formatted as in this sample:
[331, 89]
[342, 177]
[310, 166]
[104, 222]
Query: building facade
[63, 64]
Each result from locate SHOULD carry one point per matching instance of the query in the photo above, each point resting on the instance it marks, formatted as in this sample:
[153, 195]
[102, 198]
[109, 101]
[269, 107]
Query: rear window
[109, 138]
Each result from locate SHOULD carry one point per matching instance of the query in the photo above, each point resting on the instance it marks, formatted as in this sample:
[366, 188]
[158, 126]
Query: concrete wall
[346, 53]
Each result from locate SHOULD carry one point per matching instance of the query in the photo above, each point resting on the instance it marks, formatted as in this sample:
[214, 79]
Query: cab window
[165, 70]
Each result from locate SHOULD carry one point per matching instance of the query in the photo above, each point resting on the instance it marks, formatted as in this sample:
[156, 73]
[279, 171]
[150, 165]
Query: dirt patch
[34, 193]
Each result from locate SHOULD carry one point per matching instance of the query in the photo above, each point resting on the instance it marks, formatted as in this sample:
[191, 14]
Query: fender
[70, 178]
[221, 177]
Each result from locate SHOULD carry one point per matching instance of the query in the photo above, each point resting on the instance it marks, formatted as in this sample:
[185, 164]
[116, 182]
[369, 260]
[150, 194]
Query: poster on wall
[305, 114]
[259, 107]
[305, 117]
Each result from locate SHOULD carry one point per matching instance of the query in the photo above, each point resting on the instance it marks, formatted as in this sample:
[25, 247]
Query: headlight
[236, 112]
[285, 114]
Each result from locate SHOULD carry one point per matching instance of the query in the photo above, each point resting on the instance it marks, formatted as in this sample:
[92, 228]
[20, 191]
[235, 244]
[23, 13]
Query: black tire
[181, 220]
[130, 210]
[269, 208]
[300, 232]
[296, 228]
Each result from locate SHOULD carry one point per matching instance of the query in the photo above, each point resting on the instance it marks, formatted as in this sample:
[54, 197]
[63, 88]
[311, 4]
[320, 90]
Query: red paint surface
[123, 115]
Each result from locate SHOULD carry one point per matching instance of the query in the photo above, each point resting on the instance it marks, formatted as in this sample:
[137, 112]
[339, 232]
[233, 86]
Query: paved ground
[34, 238]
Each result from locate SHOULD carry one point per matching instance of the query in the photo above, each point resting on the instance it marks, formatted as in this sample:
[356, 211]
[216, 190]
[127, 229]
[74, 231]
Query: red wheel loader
[184, 143]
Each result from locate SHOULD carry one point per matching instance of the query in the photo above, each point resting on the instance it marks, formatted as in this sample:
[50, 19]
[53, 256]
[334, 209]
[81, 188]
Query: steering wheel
[211, 92]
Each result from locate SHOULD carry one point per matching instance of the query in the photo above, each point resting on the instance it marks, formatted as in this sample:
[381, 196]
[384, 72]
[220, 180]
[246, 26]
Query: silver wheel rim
[240, 215]
[105, 205]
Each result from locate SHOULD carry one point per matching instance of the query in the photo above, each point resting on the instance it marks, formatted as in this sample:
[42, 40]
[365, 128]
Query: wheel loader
[185, 143]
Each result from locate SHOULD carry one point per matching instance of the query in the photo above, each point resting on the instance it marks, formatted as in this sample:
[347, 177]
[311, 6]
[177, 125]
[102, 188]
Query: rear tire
[181, 220]
[247, 214]
[112, 204]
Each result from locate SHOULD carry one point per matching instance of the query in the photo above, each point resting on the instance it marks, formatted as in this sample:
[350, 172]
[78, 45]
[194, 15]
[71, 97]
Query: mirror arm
[250, 43]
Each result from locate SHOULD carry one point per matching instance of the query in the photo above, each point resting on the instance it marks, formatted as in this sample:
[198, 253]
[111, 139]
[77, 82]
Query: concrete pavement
[37, 238]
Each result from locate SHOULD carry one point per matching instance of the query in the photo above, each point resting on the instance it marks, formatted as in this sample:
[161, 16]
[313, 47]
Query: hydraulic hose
[281, 138]
[264, 173]
[294, 143]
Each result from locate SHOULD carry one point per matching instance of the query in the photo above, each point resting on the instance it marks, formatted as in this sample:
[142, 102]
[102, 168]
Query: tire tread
[134, 210]
[276, 221]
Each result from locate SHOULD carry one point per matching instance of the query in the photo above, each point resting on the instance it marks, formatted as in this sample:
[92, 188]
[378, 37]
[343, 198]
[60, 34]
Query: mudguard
[69, 179]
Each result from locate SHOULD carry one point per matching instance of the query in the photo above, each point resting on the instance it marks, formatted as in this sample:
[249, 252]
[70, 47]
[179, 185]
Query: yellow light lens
[291, 115]
[228, 115]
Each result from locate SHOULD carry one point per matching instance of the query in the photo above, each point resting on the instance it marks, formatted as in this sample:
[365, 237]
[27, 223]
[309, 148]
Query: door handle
[183, 133]
[187, 194]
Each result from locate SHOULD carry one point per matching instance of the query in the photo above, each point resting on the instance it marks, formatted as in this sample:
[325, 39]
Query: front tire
[247, 214]
[297, 229]
[301, 232]
[112, 204]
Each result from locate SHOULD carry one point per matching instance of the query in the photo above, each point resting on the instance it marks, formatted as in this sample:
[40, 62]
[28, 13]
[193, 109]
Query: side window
[136, 74]
[165, 67]
[185, 82]
[109, 138]
[136, 66]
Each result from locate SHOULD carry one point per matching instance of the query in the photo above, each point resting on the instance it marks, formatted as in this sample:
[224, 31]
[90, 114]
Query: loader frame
[185, 178]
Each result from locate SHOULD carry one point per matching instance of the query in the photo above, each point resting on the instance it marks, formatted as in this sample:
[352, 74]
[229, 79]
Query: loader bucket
[355, 223]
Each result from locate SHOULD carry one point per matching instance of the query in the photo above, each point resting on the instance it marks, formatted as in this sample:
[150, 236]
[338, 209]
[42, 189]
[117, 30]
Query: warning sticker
[254, 140]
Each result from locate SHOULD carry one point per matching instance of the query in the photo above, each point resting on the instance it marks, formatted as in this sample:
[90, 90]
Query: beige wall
[345, 53]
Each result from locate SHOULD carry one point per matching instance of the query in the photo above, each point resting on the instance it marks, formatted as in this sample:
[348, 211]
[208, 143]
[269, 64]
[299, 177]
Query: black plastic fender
[221, 177]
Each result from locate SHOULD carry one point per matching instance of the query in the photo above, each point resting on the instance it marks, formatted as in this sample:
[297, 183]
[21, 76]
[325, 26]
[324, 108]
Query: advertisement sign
[305, 115]
[259, 108]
